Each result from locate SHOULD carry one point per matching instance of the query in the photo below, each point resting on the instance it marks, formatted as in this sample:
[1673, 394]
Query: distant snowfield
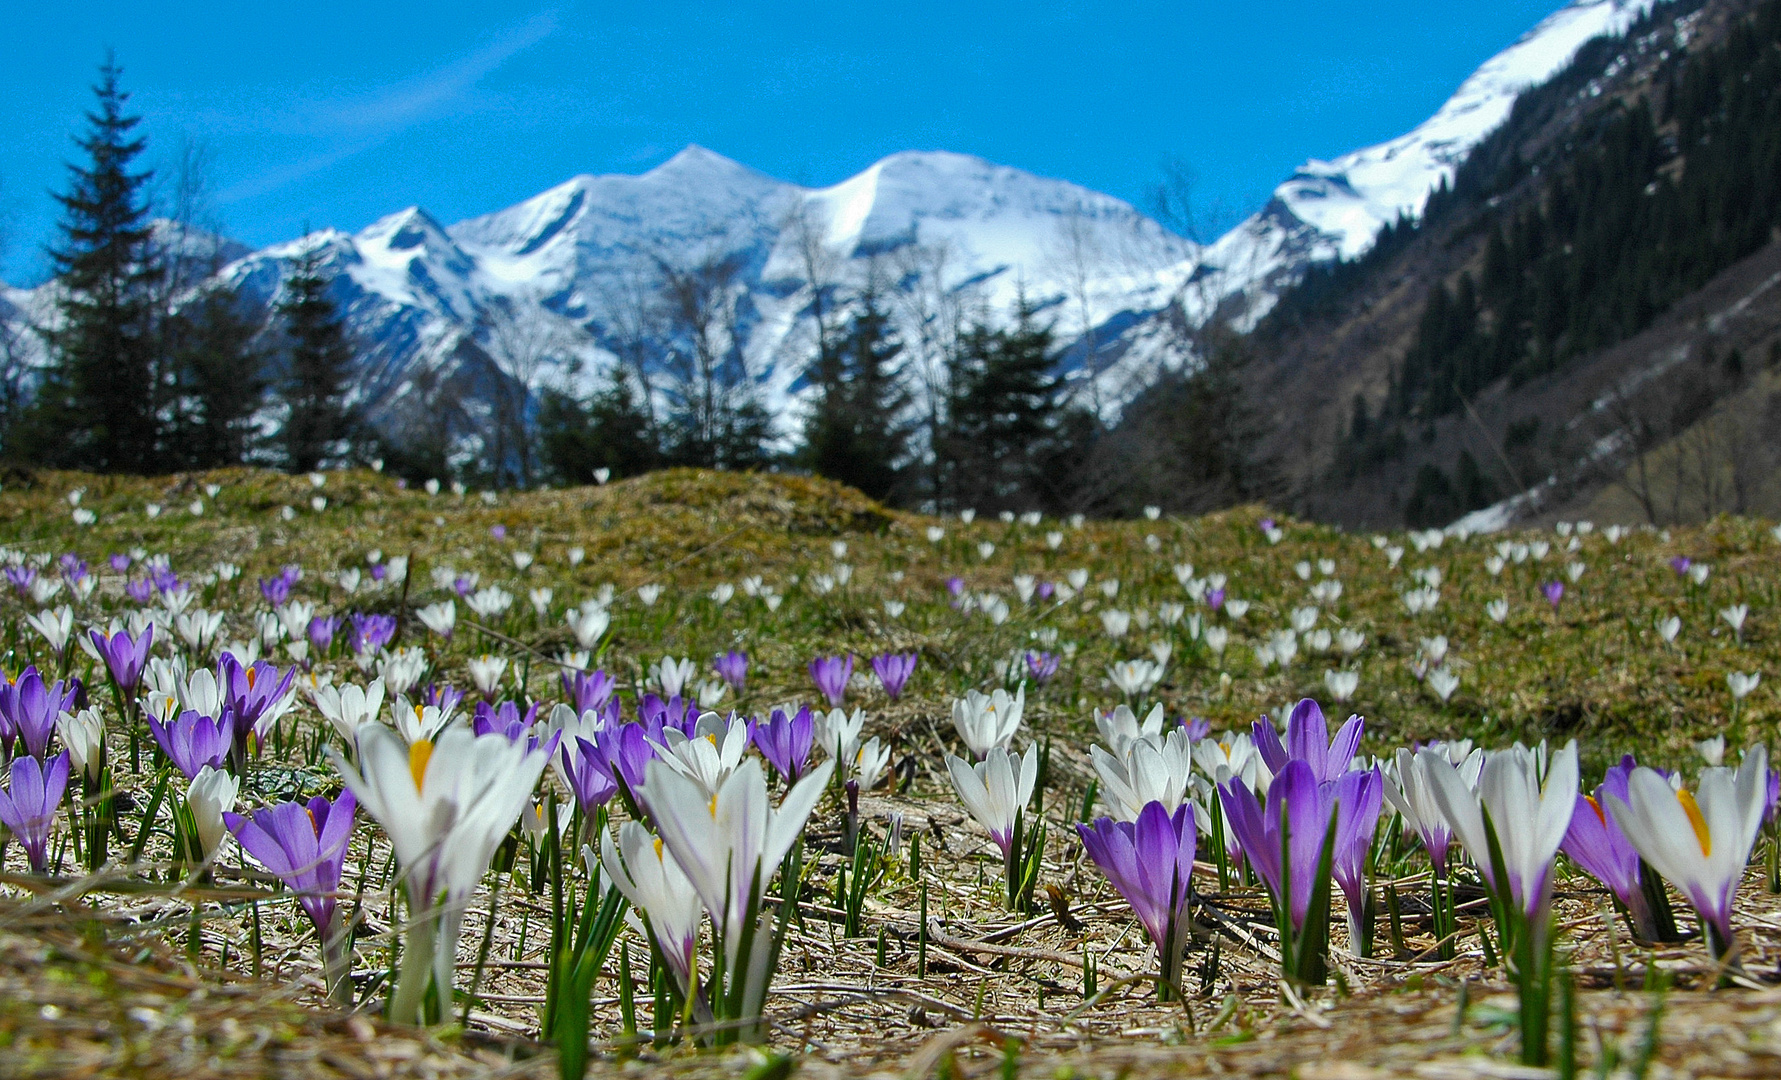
[936, 228]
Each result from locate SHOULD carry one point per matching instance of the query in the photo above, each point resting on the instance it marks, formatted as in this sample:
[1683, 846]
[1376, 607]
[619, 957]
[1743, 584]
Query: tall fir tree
[99, 406]
[213, 347]
[1004, 410]
[855, 432]
[318, 358]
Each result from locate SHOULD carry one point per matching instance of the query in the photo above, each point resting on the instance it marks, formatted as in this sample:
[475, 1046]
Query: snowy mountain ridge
[438, 310]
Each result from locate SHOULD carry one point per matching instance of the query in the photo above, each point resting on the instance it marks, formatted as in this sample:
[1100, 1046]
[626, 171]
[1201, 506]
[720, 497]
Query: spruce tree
[1004, 413]
[99, 405]
[855, 432]
[218, 368]
[318, 358]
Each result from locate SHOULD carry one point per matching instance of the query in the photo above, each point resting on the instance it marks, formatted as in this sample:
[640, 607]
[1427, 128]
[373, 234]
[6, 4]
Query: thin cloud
[362, 122]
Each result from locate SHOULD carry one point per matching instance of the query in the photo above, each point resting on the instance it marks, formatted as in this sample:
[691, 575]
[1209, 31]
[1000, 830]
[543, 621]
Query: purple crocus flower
[1555, 592]
[1045, 591]
[587, 773]
[442, 696]
[504, 718]
[732, 668]
[164, 579]
[1680, 564]
[276, 590]
[379, 571]
[1308, 740]
[1595, 842]
[322, 629]
[303, 845]
[1215, 598]
[785, 741]
[830, 674]
[140, 591]
[893, 671]
[28, 805]
[248, 693]
[956, 586]
[1267, 524]
[1358, 796]
[371, 632]
[656, 715]
[1042, 666]
[119, 562]
[74, 568]
[462, 585]
[1151, 862]
[29, 707]
[21, 578]
[623, 753]
[499, 532]
[124, 656]
[1306, 805]
[1197, 727]
[193, 740]
[588, 689]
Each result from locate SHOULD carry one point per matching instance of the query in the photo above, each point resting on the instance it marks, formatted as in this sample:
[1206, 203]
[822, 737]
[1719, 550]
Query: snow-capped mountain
[1334, 209]
[458, 314]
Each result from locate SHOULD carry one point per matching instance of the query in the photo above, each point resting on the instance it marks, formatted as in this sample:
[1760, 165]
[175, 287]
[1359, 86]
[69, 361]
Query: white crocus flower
[1411, 793]
[672, 675]
[1233, 751]
[588, 624]
[869, 762]
[1498, 610]
[988, 721]
[486, 672]
[402, 669]
[1529, 817]
[1341, 684]
[198, 628]
[1121, 727]
[1734, 617]
[55, 624]
[1116, 622]
[1742, 683]
[417, 722]
[211, 795]
[446, 807]
[650, 878]
[710, 755]
[1146, 771]
[1699, 842]
[730, 844]
[441, 618]
[1217, 637]
[837, 732]
[1712, 750]
[1669, 628]
[541, 598]
[1443, 683]
[490, 602]
[996, 789]
[1134, 677]
[83, 733]
[348, 705]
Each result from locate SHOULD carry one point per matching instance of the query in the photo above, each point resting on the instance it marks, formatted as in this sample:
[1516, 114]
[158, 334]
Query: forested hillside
[1593, 287]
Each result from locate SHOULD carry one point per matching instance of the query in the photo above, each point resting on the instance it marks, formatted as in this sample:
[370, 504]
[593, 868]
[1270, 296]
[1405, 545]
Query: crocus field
[723, 774]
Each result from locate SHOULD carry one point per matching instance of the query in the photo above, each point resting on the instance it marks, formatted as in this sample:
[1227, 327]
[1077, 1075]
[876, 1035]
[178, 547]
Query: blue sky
[338, 113]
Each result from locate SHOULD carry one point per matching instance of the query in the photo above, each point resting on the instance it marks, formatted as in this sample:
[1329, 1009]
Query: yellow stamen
[658, 849]
[1597, 807]
[1693, 810]
[418, 756]
[312, 825]
[250, 678]
[714, 806]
